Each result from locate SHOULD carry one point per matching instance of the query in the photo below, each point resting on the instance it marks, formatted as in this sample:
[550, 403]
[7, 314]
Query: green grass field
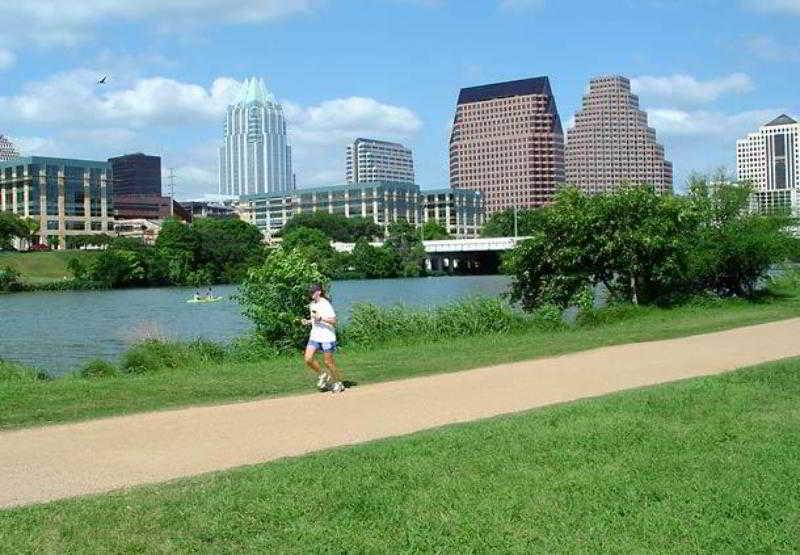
[710, 464]
[42, 267]
[29, 402]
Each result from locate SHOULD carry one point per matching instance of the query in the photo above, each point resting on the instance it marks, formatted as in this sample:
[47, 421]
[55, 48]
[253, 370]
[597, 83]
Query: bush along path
[103, 455]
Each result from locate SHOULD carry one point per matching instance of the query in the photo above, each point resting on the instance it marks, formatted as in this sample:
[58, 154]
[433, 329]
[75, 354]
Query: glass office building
[383, 202]
[66, 197]
[256, 157]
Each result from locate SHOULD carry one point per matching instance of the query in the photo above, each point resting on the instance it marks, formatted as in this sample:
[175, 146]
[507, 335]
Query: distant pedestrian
[322, 338]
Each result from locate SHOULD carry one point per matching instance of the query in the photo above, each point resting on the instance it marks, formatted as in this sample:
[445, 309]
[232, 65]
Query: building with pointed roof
[611, 143]
[770, 160]
[7, 149]
[256, 157]
[507, 143]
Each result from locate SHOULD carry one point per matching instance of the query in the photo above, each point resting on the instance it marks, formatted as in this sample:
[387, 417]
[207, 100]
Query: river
[58, 331]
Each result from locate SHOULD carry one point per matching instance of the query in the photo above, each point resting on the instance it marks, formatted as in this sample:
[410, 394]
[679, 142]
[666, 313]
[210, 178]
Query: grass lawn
[42, 267]
[710, 464]
[27, 403]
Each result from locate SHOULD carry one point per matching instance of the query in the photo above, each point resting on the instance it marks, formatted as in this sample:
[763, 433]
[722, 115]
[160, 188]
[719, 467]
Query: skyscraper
[7, 149]
[256, 156]
[770, 160]
[369, 160]
[507, 143]
[611, 143]
[136, 174]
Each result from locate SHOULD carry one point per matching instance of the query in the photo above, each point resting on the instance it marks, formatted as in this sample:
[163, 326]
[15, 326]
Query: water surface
[58, 331]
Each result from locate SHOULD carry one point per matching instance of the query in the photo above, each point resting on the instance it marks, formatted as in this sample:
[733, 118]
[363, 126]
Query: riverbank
[35, 402]
[38, 269]
[707, 464]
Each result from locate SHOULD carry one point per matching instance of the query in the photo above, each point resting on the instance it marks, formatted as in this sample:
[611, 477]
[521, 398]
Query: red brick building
[507, 142]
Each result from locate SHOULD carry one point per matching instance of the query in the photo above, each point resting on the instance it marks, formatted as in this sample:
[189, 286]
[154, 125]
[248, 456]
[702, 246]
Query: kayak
[205, 300]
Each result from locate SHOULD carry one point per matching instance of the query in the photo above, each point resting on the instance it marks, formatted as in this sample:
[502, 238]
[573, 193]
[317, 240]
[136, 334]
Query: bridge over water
[468, 256]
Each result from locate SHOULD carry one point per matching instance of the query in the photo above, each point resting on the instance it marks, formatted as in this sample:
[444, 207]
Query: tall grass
[16, 372]
[373, 325]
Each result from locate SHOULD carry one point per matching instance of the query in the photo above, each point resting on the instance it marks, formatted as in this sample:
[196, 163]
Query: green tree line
[648, 248]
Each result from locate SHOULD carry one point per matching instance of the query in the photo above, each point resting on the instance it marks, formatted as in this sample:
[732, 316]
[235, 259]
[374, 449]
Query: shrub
[9, 279]
[97, 368]
[207, 351]
[152, 355]
[251, 348]
[275, 297]
[15, 372]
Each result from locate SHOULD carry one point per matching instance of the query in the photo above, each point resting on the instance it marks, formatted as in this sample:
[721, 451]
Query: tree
[10, 279]
[11, 227]
[633, 240]
[226, 247]
[315, 246]
[374, 262]
[403, 239]
[434, 231]
[275, 297]
[336, 226]
[221, 250]
[501, 224]
[735, 247]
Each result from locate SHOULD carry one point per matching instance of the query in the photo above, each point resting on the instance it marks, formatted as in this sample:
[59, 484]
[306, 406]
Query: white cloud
[74, 98]
[767, 48]
[790, 7]
[33, 145]
[55, 22]
[7, 59]
[682, 88]
[334, 121]
[703, 123]
[520, 5]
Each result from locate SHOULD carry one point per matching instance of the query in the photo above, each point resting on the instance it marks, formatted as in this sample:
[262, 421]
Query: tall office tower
[369, 160]
[136, 174]
[770, 160]
[256, 156]
[611, 143]
[507, 143]
[7, 149]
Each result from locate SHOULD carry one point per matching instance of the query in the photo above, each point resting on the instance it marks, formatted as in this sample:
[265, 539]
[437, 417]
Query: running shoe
[338, 387]
[322, 382]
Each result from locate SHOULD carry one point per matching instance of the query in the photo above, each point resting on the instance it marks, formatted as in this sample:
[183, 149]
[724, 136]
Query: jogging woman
[322, 338]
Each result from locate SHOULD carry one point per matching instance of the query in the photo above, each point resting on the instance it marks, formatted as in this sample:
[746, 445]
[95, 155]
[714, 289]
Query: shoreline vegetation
[378, 344]
[216, 252]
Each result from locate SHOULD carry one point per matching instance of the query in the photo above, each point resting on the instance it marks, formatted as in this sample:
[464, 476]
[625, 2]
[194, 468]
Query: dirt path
[43, 464]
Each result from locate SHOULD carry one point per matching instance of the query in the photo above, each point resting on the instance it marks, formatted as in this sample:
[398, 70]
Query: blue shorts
[326, 347]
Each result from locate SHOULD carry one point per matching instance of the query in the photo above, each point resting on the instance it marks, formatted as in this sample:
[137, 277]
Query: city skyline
[173, 70]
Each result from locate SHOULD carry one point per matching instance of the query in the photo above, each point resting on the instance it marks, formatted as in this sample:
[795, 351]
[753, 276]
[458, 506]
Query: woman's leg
[330, 364]
[311, 362]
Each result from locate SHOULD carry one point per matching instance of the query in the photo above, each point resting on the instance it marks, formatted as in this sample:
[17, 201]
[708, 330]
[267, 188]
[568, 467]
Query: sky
[706, 71]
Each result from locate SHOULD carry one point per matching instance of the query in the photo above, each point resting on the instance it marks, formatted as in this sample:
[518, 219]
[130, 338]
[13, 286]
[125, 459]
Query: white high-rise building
[770, 160]
[7, 150]
[256, 157]
[369, 160]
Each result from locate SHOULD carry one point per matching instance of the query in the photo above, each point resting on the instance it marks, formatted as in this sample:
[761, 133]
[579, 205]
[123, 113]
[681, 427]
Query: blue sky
[707, 71]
